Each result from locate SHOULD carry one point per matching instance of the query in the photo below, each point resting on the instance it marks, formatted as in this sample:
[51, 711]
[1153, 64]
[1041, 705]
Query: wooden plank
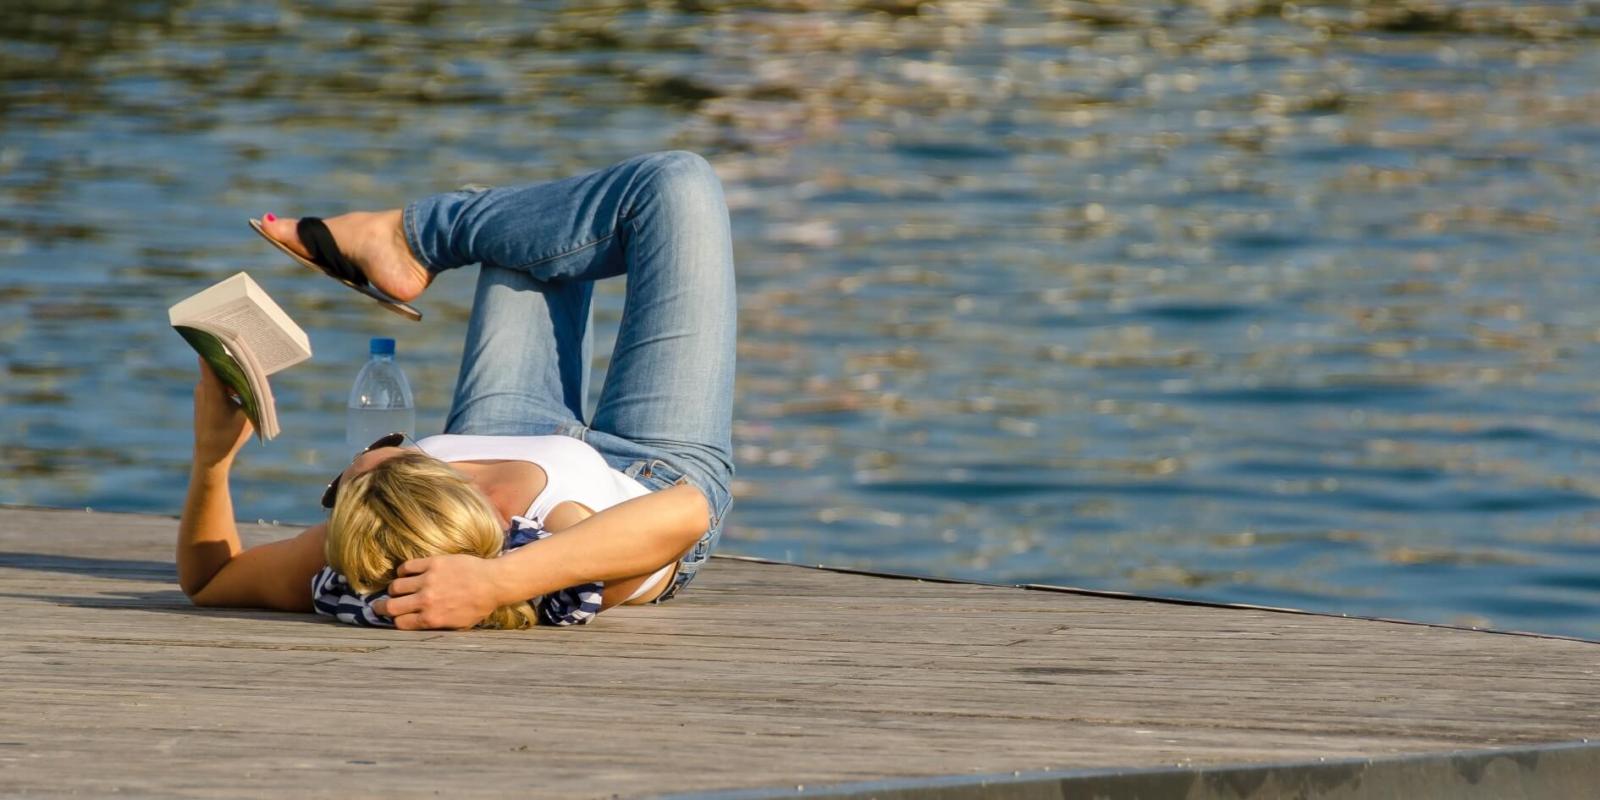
[760, 677]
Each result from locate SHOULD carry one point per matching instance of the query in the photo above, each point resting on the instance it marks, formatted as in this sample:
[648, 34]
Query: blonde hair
[413, 506]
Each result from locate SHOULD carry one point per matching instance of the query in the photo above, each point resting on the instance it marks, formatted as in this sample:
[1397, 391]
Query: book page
[201, 303]
[240, 307]
[267, 426]
[272, 346]
[237, 328]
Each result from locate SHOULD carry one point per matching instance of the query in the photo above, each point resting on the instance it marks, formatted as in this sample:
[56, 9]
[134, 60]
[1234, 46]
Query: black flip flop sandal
[326, 259]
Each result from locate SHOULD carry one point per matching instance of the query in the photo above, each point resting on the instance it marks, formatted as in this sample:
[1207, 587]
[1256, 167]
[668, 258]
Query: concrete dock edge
[1554, 771]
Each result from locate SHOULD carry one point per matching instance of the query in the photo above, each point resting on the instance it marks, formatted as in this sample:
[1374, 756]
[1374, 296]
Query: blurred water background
[1284, 303]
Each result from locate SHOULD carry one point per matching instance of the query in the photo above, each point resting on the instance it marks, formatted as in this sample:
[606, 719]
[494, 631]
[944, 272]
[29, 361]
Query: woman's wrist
[525, 573]
[503, 583]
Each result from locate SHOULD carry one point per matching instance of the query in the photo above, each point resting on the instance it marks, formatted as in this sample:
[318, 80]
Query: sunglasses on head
[388, 440]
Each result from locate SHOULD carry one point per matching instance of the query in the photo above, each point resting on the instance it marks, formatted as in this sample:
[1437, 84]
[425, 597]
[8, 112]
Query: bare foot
[371, 239]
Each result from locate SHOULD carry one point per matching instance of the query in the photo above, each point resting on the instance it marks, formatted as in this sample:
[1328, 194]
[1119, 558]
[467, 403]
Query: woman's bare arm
[213, 567]
[570, 513]
[207, 536]
[624, 541]
[276, 575]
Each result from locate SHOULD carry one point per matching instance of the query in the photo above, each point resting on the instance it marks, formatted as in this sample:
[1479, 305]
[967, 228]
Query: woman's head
[406, 505]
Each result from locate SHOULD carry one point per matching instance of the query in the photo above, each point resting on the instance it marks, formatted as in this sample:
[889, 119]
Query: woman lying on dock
[639, 491]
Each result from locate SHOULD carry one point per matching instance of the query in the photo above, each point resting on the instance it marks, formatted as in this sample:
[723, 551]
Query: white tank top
[573, 471]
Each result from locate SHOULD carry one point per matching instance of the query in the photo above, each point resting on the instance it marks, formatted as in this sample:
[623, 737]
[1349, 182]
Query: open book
[245, 337]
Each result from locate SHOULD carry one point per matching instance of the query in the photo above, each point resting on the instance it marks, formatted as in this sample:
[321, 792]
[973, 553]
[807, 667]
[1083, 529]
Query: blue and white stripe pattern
[332, 596]
[574, 605]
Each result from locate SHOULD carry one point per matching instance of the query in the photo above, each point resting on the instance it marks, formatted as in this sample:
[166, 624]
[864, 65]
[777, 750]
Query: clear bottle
[380, 400]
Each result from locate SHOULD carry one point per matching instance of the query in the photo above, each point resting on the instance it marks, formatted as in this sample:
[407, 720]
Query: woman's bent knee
[680, 173]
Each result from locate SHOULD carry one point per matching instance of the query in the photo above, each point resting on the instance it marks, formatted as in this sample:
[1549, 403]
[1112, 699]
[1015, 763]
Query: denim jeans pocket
[654, 473]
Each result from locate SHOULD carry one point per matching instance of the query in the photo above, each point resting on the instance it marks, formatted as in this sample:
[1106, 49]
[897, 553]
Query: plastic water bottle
[380, 400]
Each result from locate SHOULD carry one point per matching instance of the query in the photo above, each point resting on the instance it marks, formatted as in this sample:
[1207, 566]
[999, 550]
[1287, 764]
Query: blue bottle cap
[382, 347]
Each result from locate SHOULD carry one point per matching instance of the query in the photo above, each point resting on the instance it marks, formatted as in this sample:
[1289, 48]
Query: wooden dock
[765, 681]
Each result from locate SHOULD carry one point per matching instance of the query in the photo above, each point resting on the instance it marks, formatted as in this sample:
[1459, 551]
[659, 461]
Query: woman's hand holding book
[220, 425]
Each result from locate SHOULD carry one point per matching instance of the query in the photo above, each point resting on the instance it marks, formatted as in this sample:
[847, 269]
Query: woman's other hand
[441, 592]
[220, 425]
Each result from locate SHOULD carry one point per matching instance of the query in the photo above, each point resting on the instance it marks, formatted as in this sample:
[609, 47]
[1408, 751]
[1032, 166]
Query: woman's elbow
[694, 515]
[195, 590]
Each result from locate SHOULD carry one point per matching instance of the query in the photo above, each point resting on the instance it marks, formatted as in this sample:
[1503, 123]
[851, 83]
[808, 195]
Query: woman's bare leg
[375, 241]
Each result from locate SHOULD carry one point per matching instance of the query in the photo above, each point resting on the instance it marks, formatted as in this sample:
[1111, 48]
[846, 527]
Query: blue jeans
[666, 407]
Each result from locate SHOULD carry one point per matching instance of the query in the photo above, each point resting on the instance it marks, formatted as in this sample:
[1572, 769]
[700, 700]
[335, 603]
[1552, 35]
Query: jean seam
[586, 245]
